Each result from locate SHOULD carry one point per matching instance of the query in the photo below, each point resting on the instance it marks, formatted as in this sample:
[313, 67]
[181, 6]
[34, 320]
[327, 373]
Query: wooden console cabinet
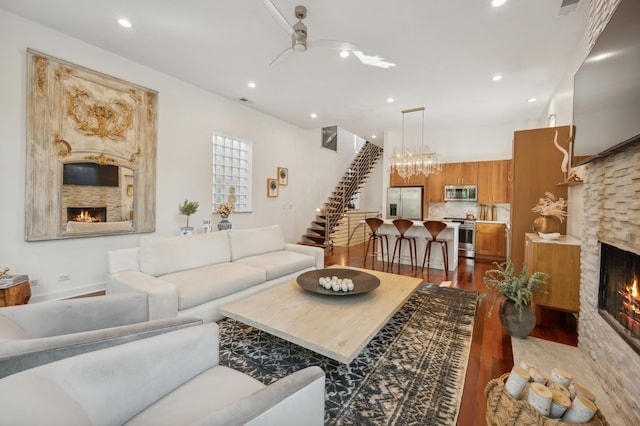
[561, 260]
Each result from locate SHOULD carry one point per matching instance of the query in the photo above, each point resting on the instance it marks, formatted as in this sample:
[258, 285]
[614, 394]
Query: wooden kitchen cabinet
[414, 180]
[434, 188]
[561, 260]
[536, 170]
[461, 173]
[493, 181]
[491, 241]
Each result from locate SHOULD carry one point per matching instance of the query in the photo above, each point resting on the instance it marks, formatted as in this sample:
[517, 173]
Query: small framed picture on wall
[272, 187]
[330, 138]
[283, 176]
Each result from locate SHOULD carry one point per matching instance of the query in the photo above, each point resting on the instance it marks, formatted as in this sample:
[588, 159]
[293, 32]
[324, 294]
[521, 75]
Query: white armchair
[169, 379]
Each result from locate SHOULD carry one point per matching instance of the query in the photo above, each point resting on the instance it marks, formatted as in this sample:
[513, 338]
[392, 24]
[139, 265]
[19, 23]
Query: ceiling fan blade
[332, 44]
[281, 57]
[282, 21]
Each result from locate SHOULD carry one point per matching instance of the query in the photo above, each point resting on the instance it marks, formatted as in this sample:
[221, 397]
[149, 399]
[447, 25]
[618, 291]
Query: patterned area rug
[411, 373]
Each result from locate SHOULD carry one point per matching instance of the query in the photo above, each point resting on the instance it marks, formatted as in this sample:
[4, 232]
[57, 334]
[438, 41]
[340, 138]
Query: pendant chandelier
[414, 160]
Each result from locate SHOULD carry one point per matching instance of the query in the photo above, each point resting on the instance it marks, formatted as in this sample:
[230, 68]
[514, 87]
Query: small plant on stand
[188, 208]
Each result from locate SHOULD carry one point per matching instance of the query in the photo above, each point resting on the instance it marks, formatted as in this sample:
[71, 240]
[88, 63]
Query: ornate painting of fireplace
[91, 139]
[619, 294]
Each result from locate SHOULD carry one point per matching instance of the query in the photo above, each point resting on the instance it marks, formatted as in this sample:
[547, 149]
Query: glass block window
[232, 172]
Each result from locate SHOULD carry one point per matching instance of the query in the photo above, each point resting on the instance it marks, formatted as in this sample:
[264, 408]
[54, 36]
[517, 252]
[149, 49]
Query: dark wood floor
[491, 353]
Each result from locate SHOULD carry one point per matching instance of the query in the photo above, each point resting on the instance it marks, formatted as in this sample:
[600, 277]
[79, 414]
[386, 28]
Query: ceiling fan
[300, 42]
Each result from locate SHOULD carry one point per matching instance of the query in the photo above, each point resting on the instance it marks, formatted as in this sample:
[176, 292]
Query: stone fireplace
[611, 209]
[619, 295]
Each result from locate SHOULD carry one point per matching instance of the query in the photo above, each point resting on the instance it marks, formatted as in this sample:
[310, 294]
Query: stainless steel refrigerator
[405, 203]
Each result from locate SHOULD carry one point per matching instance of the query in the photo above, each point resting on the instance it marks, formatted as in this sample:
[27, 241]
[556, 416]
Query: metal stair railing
[338, 203]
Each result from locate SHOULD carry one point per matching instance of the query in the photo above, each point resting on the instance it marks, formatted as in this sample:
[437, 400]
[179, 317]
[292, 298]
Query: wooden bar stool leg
[445, 256]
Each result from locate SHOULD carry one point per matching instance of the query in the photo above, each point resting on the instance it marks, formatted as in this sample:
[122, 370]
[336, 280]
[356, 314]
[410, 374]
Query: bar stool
[375, 223]
[435, 227]
[403, 225]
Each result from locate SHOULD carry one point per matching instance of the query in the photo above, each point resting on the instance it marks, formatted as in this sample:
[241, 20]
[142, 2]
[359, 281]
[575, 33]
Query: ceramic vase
[186, 230]
[546, 224]
[224, 223]
[517, 325]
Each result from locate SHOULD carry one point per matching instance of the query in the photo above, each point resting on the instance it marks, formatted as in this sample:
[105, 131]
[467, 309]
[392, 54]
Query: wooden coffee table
[338, 327]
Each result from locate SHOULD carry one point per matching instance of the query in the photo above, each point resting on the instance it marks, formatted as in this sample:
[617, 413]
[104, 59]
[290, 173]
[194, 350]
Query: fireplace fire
[86, 214]
[619, 295]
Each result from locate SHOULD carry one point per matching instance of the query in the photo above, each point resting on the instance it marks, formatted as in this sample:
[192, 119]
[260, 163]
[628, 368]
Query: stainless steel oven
[466, 236]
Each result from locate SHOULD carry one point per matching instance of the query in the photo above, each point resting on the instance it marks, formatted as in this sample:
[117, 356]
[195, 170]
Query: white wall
[187, 118]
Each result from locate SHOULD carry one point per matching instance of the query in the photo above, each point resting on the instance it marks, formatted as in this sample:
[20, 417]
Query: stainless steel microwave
[461, 193]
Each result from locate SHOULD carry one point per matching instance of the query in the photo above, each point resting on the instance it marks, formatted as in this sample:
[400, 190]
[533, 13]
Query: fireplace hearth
[86, 214]
[619, 294]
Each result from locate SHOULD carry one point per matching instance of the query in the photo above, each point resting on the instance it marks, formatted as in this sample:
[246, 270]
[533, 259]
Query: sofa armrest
[162, 295]
[18, 355]
[56, 317]
[293, 400]
[316, 252]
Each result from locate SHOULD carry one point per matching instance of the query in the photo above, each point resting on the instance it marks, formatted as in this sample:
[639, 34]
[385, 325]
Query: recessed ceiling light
[373, 136]
[496, 3]
[532, 100]
[124, 22]
[313, 115]
[390, 100]
[344, 54]
[497, 77]
[252, 84]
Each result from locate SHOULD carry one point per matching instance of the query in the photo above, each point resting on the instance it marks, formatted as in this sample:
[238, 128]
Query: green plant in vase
[188, 208]
[517, 290]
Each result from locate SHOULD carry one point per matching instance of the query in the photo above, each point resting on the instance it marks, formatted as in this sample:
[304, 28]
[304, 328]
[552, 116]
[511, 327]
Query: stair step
[307, 243]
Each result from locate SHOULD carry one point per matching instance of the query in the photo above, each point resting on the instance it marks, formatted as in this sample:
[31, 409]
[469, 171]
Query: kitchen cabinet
[561, 260]
[493, 179]
[414, 180]
[461, 173]
[434, 188]
[491, 240]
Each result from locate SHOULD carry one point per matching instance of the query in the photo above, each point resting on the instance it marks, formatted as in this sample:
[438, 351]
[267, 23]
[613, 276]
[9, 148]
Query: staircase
[325, 223]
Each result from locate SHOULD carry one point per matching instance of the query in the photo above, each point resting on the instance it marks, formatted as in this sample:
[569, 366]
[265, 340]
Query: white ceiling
[446, 53]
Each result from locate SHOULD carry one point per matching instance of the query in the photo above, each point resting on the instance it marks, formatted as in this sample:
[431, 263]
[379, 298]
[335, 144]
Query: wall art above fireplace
[91, 139]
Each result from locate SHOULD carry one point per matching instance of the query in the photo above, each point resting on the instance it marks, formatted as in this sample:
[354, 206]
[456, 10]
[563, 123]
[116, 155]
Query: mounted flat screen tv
[606, 98]
[91, 174]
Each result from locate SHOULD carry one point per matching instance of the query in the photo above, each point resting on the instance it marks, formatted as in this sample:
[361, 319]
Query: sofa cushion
[197, 286]
[163, 255]
[213, 389]
[280, 263]
[250, 242]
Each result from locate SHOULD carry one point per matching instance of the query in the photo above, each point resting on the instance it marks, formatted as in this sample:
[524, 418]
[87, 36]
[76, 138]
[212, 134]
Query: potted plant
[551, 210]
[516, 290]
[224, 210]
[188, 208]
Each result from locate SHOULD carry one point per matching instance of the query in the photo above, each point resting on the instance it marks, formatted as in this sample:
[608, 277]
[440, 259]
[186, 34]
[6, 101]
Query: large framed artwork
[91, 152]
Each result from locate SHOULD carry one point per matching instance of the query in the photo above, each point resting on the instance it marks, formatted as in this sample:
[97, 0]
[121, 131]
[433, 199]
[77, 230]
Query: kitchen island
[450, 234]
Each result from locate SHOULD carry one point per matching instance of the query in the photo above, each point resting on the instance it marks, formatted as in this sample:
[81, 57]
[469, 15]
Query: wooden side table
[18, 294]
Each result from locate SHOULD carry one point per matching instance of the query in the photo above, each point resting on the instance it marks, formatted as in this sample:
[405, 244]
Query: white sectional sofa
[169, 379]
[193, 276]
